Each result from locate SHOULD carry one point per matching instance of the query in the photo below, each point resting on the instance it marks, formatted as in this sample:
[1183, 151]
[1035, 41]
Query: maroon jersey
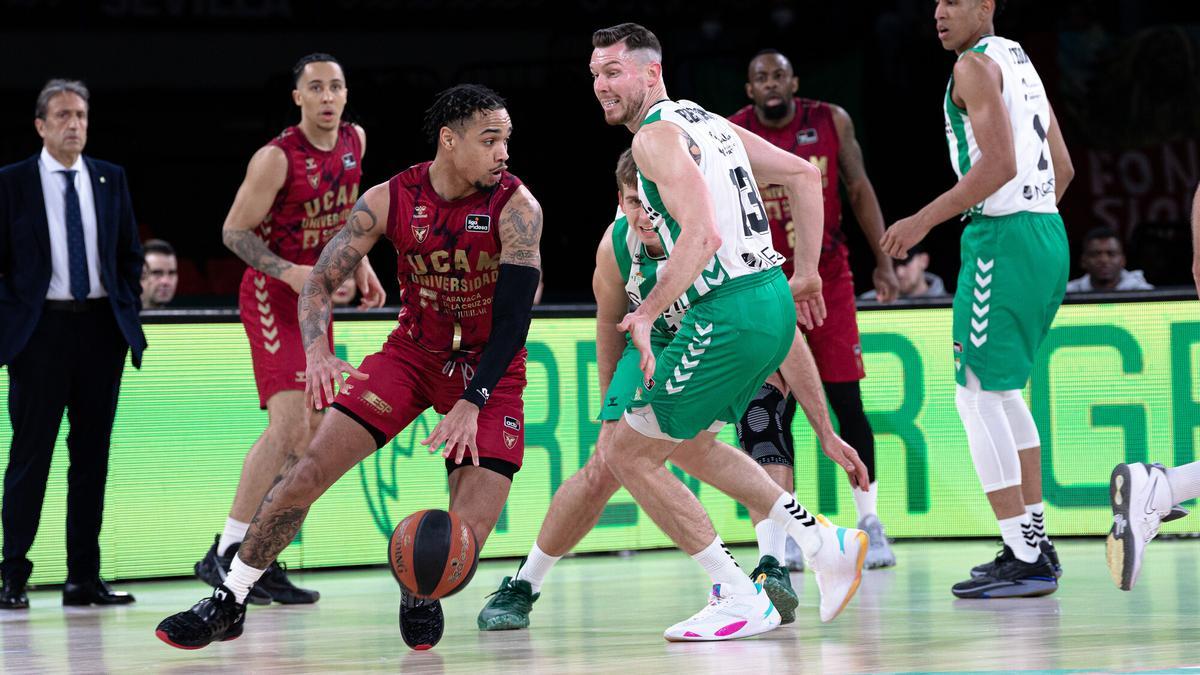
[813, 136]
[317, 197]
[447, 259]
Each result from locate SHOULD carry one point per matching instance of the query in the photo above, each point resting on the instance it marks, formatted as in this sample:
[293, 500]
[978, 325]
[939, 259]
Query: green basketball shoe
[778, 585]
[509, 606]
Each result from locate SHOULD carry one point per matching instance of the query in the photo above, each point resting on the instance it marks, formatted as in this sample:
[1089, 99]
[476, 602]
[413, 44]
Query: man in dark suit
[70, 270]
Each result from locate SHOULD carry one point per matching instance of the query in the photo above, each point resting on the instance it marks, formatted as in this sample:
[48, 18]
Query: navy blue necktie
[76, 249]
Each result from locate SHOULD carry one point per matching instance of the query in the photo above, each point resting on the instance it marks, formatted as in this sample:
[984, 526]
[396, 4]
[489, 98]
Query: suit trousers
[72, 362]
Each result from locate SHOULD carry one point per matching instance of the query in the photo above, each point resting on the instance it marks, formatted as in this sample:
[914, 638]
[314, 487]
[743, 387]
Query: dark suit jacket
[25, 253]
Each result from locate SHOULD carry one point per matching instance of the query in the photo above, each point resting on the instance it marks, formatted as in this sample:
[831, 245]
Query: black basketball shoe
[987, 568]
[1011, 577]
[421, 621]
[212, 569]
[275, 582]
[216, 618]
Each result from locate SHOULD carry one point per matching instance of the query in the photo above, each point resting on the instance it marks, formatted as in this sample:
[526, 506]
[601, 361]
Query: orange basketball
[433, 554]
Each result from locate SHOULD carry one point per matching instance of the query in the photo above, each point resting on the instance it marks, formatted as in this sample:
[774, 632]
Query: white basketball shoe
[1141, 501]
[728, 616]
[837, 565]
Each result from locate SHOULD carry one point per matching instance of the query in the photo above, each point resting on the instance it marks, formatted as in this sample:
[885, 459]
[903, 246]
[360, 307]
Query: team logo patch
[420, 232]
[420, 211]
[348, 160]
[650, 384]
[509, 440]
[314, 180]
[479, 223]
[806, 136]
[310, 164]
[512, 423]
[958, 347]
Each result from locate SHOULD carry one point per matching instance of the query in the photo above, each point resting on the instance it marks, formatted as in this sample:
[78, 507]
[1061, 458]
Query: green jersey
[639, 270]
[740, 216]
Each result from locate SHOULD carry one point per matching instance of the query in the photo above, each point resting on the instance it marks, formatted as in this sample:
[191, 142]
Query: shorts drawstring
[459, 359]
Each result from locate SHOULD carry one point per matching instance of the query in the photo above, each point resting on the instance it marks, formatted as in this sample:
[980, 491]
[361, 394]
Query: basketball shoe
[1141, 501]
[879, 553]
[421, 621]
[837, 565]
[987, 568]
[778, 585]
[509, 606]
[275, 583]
[728, 616]
[212, 569]
[1011, 577]
[216, 618]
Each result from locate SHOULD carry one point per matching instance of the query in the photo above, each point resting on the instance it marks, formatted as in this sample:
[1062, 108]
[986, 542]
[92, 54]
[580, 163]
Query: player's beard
[632, 109]
[775, 112]
[482, 187]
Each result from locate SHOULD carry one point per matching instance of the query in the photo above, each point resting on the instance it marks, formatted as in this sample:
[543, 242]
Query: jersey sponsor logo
[348, 160]
[310, 164]
[376, 402]
[479, 223]
[512, 423]
[420, 211]
[806, 137]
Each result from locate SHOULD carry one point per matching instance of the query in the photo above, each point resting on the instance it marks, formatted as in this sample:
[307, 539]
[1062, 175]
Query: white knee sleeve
[1024, 431]
[989, 435]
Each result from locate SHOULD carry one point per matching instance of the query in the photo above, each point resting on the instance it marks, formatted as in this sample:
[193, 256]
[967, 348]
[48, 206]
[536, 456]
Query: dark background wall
[184, 91]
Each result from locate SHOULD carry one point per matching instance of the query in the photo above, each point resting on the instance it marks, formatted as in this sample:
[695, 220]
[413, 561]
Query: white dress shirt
[54, 188]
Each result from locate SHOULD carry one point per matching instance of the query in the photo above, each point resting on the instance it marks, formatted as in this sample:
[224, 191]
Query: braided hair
[454, 106]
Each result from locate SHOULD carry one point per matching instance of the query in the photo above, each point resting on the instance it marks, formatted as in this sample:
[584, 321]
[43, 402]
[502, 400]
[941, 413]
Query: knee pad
[1020, 420]
[989, 436]
[760, 432]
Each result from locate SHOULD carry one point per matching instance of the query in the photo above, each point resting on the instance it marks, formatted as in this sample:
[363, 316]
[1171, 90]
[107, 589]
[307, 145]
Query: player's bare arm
[339, 260]
[802, 182]
[864, 203]
[1064, 170]
[977, 89]
[265, 176]
[612, 303]
[663, 155]
[520, 230]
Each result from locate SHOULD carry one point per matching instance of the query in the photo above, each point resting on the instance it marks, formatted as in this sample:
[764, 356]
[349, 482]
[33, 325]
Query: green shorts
[1011, 283]
[729, 343]
[627, 378]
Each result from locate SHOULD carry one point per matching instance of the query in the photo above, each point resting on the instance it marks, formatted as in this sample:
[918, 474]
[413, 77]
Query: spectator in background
[1103, 263]
[160, 274]
[915, 280]
[345, 293]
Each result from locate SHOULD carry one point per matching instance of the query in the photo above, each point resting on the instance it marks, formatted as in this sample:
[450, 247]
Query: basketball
[433, 554]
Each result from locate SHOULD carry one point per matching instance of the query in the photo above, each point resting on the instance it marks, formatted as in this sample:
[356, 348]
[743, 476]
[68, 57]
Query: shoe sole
[863, 545]
[495, 624]
[162, 635]
[783, 598]
[1034, 588]
[759, 630]
[1119, 546]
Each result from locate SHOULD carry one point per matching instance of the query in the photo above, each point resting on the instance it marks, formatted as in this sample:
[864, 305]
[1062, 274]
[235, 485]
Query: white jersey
[741, 219]
[1032, 189]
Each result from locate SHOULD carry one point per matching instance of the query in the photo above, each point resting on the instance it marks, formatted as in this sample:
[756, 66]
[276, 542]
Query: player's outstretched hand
[372, 291]
[847, 457]
[457, 430]
[638, 327]
[903, 235]
[810, 303]
[323, 376]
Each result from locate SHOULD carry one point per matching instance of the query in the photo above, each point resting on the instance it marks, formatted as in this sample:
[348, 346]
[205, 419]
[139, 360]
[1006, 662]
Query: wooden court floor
[605, 614]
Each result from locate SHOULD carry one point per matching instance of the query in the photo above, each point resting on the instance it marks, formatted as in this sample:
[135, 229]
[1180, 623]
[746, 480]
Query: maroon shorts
[835, 344]
[268, 309]
[406, 379]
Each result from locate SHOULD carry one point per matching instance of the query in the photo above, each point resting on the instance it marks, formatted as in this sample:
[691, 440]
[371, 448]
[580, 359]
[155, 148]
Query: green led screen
[1113, 383]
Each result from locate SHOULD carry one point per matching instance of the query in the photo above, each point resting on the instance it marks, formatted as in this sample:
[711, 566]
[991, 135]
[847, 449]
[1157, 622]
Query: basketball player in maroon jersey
[823, 134]
[466, 234]
[298, 191]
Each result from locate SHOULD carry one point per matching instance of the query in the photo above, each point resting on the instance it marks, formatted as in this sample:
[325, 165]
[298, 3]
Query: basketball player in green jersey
[627, 263]
[697, 181]
[1013, 167]
[1144, 496]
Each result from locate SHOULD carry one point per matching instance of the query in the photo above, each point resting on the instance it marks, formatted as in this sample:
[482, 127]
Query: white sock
[536, 567]
[1037, 520]
[724, 570]
[772, 539]
[1184, 481]
[864, 501]
[235, 532]
[241, 578]
[800, 524]
[1019, 537]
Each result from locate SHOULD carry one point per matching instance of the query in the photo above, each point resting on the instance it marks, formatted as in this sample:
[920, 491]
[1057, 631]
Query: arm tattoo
[693, 147]
[337, 262]
[254, 252]
[524, 225]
